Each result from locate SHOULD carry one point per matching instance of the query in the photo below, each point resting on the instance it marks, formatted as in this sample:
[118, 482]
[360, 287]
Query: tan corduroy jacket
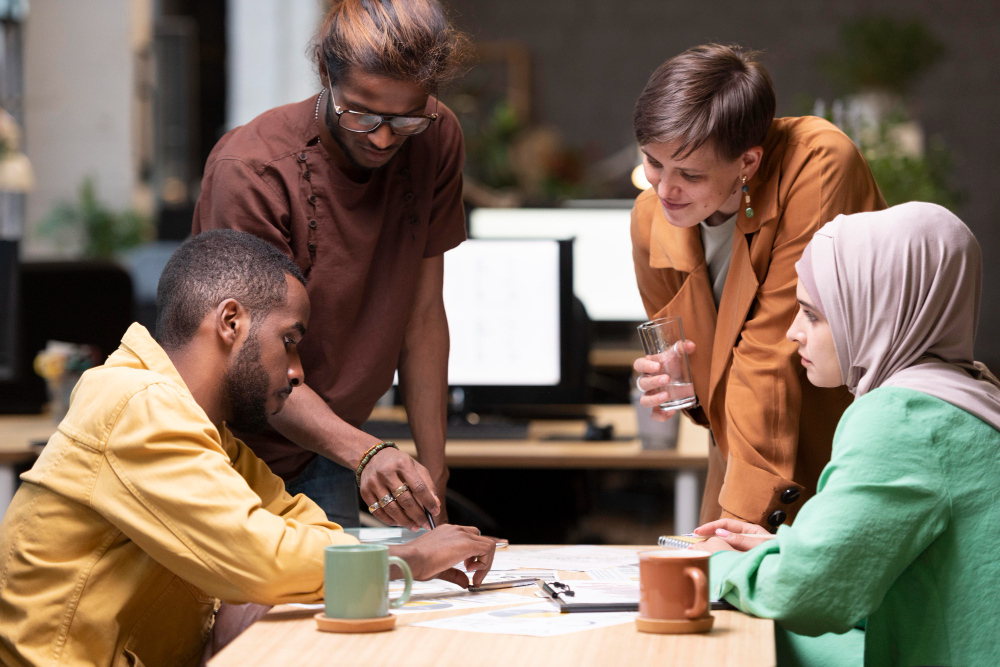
[772, 429]
[139, 515]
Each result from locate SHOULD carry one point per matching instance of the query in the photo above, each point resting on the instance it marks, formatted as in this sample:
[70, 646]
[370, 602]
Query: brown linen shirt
[361, 245]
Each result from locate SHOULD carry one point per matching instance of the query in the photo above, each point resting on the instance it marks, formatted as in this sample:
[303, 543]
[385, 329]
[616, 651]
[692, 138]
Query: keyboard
[490, 430]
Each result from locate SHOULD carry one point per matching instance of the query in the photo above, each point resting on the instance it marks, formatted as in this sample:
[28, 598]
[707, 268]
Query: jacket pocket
[174, 628]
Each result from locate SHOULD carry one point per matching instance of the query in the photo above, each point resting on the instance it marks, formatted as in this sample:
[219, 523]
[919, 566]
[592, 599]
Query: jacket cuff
[755, 495]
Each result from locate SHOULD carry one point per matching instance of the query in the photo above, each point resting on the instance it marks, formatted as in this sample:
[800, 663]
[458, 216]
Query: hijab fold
[901, 289]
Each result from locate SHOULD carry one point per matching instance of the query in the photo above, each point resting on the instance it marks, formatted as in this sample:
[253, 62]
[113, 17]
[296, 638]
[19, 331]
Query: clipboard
[563, 595]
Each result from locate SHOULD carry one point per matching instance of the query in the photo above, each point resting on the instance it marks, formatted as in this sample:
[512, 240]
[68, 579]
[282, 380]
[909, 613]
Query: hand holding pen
[731, 534]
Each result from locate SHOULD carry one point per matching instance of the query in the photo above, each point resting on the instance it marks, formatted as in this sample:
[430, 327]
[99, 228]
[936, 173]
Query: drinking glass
[663, 342]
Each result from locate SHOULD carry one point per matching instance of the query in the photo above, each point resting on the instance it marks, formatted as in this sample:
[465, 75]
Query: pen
[510, 583]
[430, 519]
[760, 536]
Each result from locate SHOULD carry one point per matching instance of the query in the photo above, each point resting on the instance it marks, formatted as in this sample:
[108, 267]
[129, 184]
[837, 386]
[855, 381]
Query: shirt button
[790, 496]
[414, 219]
[307, 175]
[408, 196]
[312, 246]
[302, 157]
[404, 172]
[312, 224]
[777, 518]
[312, 198]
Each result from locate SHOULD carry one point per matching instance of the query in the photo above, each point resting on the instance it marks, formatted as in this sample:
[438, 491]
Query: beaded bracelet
[372, 451]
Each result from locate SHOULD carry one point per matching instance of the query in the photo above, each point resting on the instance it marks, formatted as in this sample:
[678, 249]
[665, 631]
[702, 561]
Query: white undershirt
[718, 244]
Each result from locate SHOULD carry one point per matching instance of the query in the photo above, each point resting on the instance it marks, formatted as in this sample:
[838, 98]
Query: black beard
[333, 125]
[244, 388]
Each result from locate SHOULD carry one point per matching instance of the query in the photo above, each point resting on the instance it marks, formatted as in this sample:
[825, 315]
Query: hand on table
[654, 376]
[385, 475]
[432, 555]
[731, 535]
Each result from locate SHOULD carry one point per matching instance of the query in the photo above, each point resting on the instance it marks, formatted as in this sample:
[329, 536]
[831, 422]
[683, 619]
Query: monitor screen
[503, 305]
[516, 337]
[603, 273]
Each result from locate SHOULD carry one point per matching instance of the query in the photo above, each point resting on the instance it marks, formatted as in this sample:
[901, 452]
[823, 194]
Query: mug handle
[408, 576]
[700, 592]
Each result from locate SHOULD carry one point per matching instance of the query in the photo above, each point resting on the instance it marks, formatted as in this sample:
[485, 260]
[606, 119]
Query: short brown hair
[409, 40]
[710, 93]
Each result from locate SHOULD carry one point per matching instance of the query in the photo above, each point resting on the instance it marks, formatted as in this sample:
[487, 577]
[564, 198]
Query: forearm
[309, 422]
[423, 377]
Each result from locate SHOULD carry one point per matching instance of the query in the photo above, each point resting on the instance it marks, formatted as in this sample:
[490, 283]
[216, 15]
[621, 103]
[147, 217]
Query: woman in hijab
[903, 533]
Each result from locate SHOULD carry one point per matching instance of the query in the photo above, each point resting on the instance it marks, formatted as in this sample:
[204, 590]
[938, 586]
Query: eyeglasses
[364, 122]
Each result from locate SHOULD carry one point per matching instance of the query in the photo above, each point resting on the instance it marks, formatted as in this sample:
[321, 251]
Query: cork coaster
[354, 624]
[671, 627]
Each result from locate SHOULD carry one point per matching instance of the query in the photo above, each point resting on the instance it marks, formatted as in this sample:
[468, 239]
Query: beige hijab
[901, 290]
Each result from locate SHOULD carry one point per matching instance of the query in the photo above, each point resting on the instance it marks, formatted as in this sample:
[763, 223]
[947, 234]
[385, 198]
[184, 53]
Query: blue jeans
[332, 487]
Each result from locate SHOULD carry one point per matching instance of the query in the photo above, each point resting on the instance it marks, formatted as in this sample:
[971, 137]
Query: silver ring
[373, 507]
[637, 386]
[385, 500]
[403, 488]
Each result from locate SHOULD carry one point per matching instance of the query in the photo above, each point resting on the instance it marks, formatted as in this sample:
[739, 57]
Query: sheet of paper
[625, 573]
[466, 601]
[419, 588]
[507, 575]
[425, 588]
[375, 534]
[537, 620]
[440, 595]
[574, 558]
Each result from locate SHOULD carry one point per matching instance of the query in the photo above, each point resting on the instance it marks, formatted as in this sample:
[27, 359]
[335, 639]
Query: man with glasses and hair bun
[361, 185]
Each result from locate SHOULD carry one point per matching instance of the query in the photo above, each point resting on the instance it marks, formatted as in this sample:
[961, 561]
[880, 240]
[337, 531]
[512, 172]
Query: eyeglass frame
[384, 118]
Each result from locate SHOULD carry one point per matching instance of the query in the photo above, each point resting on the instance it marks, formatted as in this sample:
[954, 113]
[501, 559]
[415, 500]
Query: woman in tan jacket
[736, 195]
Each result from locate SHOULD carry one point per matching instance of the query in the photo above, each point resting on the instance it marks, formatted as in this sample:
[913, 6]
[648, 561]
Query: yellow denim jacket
[137, 518]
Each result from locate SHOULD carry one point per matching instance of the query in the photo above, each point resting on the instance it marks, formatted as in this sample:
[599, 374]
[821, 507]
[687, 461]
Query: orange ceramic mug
[673, 591]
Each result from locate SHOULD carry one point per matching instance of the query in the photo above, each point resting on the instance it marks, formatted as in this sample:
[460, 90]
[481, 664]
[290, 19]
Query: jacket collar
[138, 346]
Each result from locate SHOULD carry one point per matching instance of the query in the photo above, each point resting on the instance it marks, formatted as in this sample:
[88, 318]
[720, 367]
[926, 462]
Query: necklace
[319, 99]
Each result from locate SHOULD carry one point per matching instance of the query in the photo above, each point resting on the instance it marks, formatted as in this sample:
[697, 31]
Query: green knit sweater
[903, 535]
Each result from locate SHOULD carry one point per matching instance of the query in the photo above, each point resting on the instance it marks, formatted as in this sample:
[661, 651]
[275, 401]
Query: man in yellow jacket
[144, 511]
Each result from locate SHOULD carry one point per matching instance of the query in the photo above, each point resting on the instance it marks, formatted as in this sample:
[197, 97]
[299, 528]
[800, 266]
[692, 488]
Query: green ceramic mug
[356, 581]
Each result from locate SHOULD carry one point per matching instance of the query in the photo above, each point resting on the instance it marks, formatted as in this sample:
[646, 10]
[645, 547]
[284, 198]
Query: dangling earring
[746, 193]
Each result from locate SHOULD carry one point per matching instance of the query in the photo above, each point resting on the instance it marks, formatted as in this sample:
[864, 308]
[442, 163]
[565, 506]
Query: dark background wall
[591, 59]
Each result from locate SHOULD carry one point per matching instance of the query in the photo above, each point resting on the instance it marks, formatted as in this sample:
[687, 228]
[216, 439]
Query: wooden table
[288, 636]
[18, 437]
[539, 450]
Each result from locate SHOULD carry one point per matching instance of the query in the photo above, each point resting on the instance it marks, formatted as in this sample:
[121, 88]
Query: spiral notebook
[679, 541]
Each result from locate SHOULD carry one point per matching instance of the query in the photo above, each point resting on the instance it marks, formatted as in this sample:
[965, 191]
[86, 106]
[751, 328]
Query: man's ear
[324, 74]
[230, 319]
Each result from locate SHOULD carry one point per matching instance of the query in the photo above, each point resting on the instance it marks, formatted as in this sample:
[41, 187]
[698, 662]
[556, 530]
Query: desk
[288, 636]
[626, 453]
[17, 433]
[536, 451]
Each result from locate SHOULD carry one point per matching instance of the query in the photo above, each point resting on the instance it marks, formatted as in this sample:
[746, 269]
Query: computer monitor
[511, 319]
[603, 273]
[9, 297]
